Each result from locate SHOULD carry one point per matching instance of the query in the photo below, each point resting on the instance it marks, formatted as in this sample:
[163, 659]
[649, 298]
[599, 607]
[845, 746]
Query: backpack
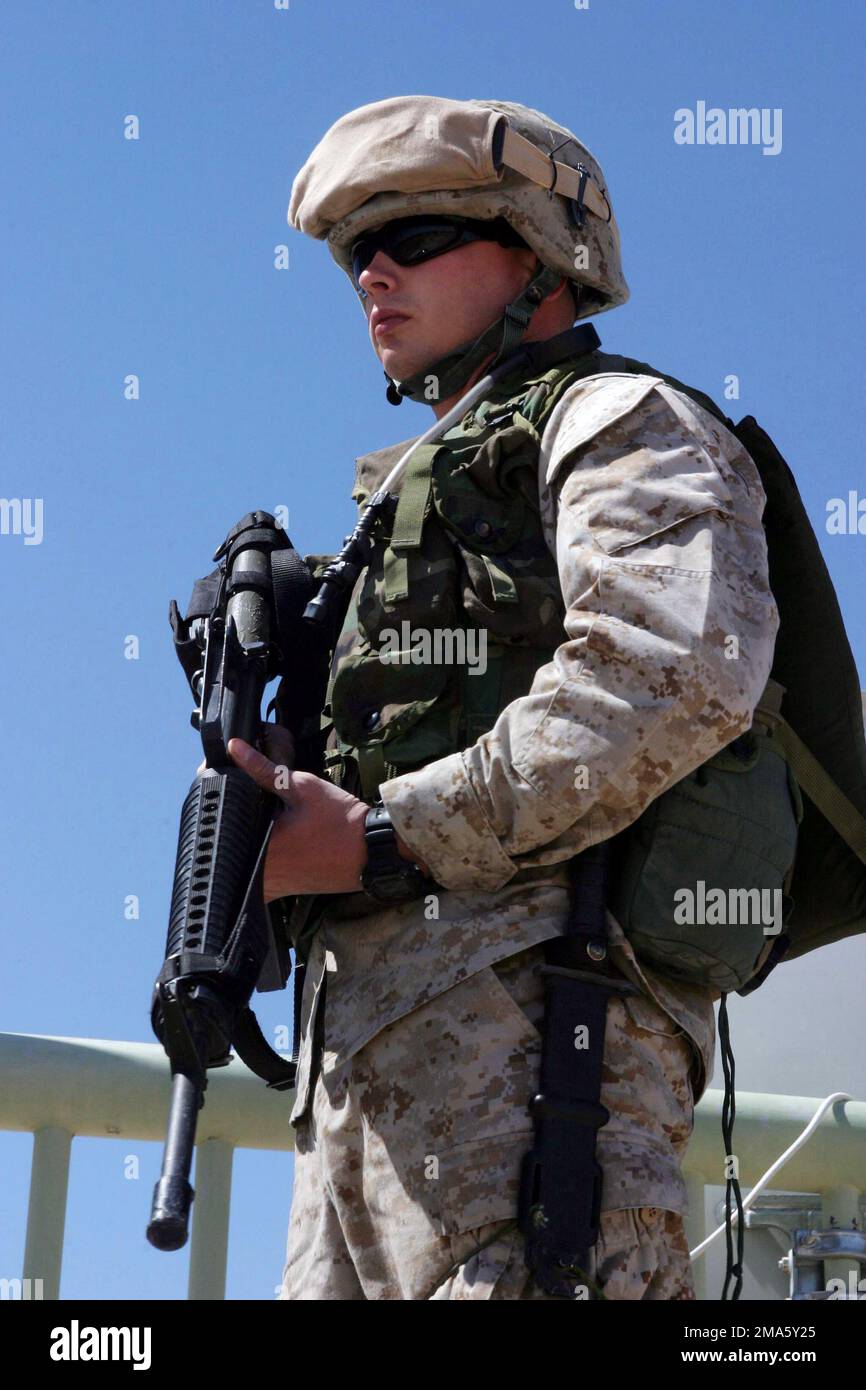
[808, 731]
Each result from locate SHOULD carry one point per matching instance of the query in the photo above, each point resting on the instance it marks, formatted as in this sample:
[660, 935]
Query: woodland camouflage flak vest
[466, 554]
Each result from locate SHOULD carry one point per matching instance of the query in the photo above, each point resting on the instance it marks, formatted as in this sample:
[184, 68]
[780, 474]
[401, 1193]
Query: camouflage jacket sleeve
[653, 511]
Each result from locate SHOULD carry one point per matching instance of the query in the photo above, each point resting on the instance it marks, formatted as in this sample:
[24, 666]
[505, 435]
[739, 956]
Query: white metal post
[46, 1213]
[208, 1254]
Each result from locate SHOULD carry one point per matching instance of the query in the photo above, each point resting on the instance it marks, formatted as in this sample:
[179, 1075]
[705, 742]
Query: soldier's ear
[561, 288]
[530, 261]
[564, 288]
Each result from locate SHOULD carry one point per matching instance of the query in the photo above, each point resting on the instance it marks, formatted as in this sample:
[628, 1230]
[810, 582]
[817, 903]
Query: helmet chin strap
[502, 337]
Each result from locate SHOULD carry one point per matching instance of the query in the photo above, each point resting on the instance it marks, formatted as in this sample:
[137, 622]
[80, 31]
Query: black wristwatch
[387, 876]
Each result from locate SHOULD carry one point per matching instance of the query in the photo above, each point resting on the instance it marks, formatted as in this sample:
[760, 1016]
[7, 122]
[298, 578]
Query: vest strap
[408, 522]
[373, 768]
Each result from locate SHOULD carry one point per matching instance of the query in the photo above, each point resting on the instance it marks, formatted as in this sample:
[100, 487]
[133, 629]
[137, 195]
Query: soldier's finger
[269, 776]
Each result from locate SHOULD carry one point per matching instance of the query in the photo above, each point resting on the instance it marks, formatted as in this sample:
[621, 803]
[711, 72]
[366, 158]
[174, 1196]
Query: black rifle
[259, 615]
[243, 627]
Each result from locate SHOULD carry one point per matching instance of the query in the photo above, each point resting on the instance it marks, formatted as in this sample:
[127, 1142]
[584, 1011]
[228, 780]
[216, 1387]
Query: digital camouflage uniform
[411, 1112]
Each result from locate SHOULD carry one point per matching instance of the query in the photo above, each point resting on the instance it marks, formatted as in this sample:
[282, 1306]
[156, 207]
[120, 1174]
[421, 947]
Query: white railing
[60, 1088]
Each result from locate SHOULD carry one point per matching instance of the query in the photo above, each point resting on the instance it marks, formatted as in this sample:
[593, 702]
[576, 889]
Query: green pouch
[698, 883]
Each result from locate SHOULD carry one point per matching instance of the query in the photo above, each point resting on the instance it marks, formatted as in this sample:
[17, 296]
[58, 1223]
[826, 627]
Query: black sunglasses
[411, 240]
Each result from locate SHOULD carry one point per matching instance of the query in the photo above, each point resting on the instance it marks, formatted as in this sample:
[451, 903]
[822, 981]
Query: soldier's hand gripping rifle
[244, 627]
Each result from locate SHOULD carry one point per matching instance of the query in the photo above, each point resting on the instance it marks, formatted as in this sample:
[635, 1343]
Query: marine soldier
[599, 531]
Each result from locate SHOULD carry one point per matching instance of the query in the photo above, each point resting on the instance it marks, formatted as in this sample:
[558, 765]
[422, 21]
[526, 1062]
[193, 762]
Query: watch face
[394, 885]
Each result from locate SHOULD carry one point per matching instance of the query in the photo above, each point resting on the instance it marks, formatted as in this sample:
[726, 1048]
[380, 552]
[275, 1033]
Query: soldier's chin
[400, 365]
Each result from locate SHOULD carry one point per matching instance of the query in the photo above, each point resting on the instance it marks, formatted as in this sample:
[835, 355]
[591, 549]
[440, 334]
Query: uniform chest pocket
[416, 584]
[482, 491]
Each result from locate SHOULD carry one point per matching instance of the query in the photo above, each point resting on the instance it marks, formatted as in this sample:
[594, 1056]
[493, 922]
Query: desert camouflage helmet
[405, 156]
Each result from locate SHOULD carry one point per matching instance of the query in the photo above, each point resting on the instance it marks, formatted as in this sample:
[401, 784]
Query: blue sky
[258, 388]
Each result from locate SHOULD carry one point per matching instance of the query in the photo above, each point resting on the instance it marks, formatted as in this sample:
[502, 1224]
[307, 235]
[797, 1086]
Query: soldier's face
[417, 314]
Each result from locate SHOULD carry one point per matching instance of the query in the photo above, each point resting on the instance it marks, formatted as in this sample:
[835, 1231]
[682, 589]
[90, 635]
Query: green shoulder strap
[817, 783]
